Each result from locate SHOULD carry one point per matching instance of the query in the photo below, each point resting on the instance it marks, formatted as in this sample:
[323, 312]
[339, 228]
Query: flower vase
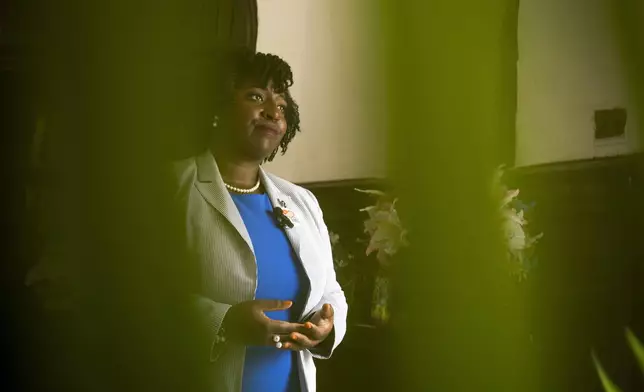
[381, 300]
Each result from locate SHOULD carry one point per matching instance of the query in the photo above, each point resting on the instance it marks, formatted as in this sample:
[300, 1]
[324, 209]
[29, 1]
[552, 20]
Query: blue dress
[280, 276]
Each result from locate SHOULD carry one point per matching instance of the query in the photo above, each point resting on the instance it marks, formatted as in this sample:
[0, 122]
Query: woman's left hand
[314, 331]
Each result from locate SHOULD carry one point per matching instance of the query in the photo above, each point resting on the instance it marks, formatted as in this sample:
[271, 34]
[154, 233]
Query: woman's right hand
[246, 322]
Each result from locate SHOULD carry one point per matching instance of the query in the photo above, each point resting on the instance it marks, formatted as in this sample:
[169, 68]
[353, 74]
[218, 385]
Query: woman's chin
[262, 150]
[259, 154]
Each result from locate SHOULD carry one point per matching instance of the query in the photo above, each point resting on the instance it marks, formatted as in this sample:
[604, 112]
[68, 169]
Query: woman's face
[257, 124]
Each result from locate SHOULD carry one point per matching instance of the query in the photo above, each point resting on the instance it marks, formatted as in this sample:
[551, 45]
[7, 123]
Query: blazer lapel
[296, 235]
[212, 188]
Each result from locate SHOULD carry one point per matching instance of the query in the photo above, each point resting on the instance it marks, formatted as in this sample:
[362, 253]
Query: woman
[269, 291]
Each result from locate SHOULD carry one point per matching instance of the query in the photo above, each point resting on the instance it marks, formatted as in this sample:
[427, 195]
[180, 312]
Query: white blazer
[219, 241]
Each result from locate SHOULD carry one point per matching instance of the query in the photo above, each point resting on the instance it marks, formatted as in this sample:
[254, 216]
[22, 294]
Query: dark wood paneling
[341, 205]
[588, 285]
[363, 360]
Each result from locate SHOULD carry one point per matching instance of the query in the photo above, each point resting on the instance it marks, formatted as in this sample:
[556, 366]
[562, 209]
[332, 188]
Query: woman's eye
[282, 108]
[256, 97]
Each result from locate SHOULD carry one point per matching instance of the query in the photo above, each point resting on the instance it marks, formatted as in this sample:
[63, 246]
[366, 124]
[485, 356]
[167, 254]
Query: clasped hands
[246, 323]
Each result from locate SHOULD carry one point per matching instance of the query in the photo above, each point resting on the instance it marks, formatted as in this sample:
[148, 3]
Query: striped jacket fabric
[220, 245]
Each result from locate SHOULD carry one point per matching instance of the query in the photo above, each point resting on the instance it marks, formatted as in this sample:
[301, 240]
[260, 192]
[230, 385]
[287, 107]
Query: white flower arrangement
[386, 233]
[520, 245]
[386, 237]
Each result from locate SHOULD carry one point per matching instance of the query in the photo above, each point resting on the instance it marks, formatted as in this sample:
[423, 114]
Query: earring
[215, 122]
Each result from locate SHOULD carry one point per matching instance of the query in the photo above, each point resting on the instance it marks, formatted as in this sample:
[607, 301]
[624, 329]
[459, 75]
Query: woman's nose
[271, 112]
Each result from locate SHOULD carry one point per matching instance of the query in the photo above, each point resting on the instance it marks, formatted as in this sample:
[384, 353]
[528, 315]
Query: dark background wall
[588, 285]
[586, 288]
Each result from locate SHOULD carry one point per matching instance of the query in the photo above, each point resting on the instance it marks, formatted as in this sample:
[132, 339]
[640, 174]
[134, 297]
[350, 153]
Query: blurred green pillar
[464, 325]
[121, 85]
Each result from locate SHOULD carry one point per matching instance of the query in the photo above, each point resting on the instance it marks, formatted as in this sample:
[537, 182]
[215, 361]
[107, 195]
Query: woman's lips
[267, 130]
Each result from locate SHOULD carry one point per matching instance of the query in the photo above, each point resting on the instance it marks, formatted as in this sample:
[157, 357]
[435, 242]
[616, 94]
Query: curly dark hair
[242, 66]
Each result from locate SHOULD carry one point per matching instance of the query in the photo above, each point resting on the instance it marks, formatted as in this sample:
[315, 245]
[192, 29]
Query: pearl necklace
[242, 190]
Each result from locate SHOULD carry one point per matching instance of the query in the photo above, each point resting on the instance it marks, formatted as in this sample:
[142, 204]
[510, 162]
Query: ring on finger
[276, 338]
